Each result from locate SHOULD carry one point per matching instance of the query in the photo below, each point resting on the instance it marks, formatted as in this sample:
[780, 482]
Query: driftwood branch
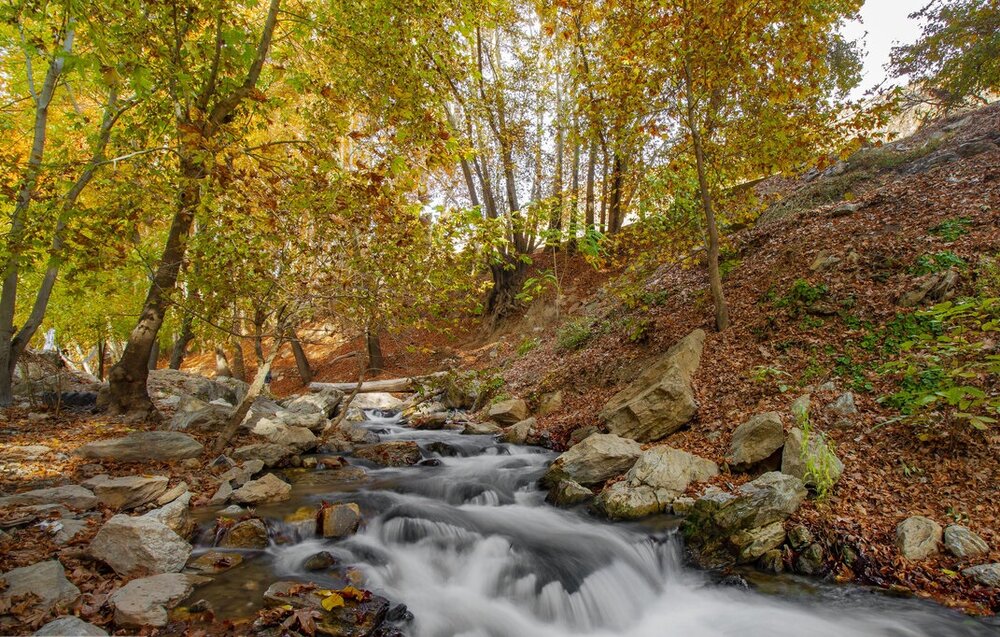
[391, 385]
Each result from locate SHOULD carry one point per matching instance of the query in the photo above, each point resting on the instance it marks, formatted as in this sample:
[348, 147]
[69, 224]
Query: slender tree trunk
[222, 363]
[615, 204]
[243, 408]
[604, 192]
[555, 220]
[239, 363]
[101, 357]
[589, 214]
[574, 205]
[301, 362]
[154, 356]
[179, 350]
[714, 275]
[376, 362]
[15, 234]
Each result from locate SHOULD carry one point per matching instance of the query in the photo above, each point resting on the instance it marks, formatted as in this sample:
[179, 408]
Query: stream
[470, 546]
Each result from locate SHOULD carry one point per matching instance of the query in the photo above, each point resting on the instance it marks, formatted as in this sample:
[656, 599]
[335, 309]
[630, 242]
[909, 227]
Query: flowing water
[471, 548]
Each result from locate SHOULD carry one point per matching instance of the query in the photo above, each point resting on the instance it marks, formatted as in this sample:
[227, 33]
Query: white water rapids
[473, 551]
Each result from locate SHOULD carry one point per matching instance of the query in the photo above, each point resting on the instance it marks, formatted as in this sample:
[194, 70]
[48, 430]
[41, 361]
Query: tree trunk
[301, 362]
[243, 408]
[555, 219]
[154, 355]
[222, 363]
[507, 278]
[589, 214]
[604, 191]
[101, 357]
[615, 204]
[714, 275]
[239, 364]
[179, 350]
[376, 362]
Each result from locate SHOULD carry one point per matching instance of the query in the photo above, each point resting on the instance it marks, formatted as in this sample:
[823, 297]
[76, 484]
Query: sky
[884, 23]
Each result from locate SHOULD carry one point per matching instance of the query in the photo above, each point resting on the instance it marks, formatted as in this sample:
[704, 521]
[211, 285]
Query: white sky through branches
[886, 23]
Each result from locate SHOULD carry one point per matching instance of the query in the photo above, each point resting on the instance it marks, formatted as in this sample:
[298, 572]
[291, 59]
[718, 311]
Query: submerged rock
[356, 618]
[213, 562]
[599, 457]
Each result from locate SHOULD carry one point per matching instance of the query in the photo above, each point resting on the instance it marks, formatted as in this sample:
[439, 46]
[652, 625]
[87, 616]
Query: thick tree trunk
[239, 363]
[376, 362]
[222, 363]
[233, 425]
[179, 350]
[507, 280]
[301, 362]
[714, 275]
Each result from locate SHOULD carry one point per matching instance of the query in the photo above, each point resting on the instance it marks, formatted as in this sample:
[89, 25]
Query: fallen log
[390, 385]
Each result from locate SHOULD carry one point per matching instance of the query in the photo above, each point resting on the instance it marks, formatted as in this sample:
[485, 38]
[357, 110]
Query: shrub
[936, 262]
[574, 334]
[526, 345]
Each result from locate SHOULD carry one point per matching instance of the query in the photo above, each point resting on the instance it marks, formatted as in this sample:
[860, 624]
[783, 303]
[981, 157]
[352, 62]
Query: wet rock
[810, 561]
[481, 429]
[985, 574]
[127, 492]
[73, 496]
[354, 619]
[813, 461]
[682, 505]
[550, 403]
[47, 580]
[133, 545]
[757, 439]
[324, 402]
[319, 561]
[270, 488]
[518, 434]
[443, 449]
[399, 614]
[398, 453]
[963, 543]
[213, 562]
[175, 516]
[248, 534]
[661, 400]
[340, 520]
[367, 401]
[660, 475]
[773, 561]
[509, 412]
[799, 537]
[143, 446]
[751, 544]
[69, 626]
[599, 457]
[568, 493]
[917, 537]
[145, 601]
[268, 453]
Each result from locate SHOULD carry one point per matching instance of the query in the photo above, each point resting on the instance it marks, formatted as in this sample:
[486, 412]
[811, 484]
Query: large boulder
[270, 488]
[657, 478]
[367, 401]
[756, 440]
[661, 400]
[47, 580]
[398, 453]
[518, 434]
[127, 492]
[145, 601]
[508, 412]
[139, 545]
[813, 461]
[69, 626]
[143, 446]
[599, 457]
[917, 537]
[715, 524]
[568, 493]
[175, 515]
[197, 415]
[173, 382]
[963, 543]
[298, 438]
[72, 496]
[324, 402]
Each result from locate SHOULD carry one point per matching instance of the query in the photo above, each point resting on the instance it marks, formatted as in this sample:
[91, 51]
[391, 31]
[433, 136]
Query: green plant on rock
[937, 262]
[574, 334]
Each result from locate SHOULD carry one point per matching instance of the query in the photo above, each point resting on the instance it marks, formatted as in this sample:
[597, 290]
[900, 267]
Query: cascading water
[469, 545]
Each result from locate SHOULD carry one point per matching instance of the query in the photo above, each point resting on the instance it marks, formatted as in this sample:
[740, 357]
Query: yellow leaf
[353, 593]
[332, 601]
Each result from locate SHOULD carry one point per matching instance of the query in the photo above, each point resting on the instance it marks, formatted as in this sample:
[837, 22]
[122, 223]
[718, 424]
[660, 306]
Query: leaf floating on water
[331, 601]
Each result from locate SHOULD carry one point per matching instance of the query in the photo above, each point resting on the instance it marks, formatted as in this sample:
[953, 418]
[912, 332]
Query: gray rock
[581, 434]
[66, 530]
[47, 580]
[24, 452]
[568, 493]
[197, 415]
[682, 505]
[270, 488]
[917, 537]
[248, 534]
[518, 434]
[372, 400]
[963, 543]
[985, 574]
[324, 402]
[134, 545]
[173, 382]
[73, 496]
[811, 560]
[481, 429]
[976, 147]
[813, 462]
[127, 492]
[340, 520]
[145, 601]
[69, 626]
[799, 537]
[844, 210]
[222, 494]
[509, 412]
[623, 502]
[142, 446]
[549, 403]
[669, 469]
[661, 400]
[599, 457]
[268, 453]
[844, 405]
[751, 544]
[300, 439]
[936, 287]
[319, 561]
[757, 439]
[172, 493]
[175, 515]
[800, 407]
